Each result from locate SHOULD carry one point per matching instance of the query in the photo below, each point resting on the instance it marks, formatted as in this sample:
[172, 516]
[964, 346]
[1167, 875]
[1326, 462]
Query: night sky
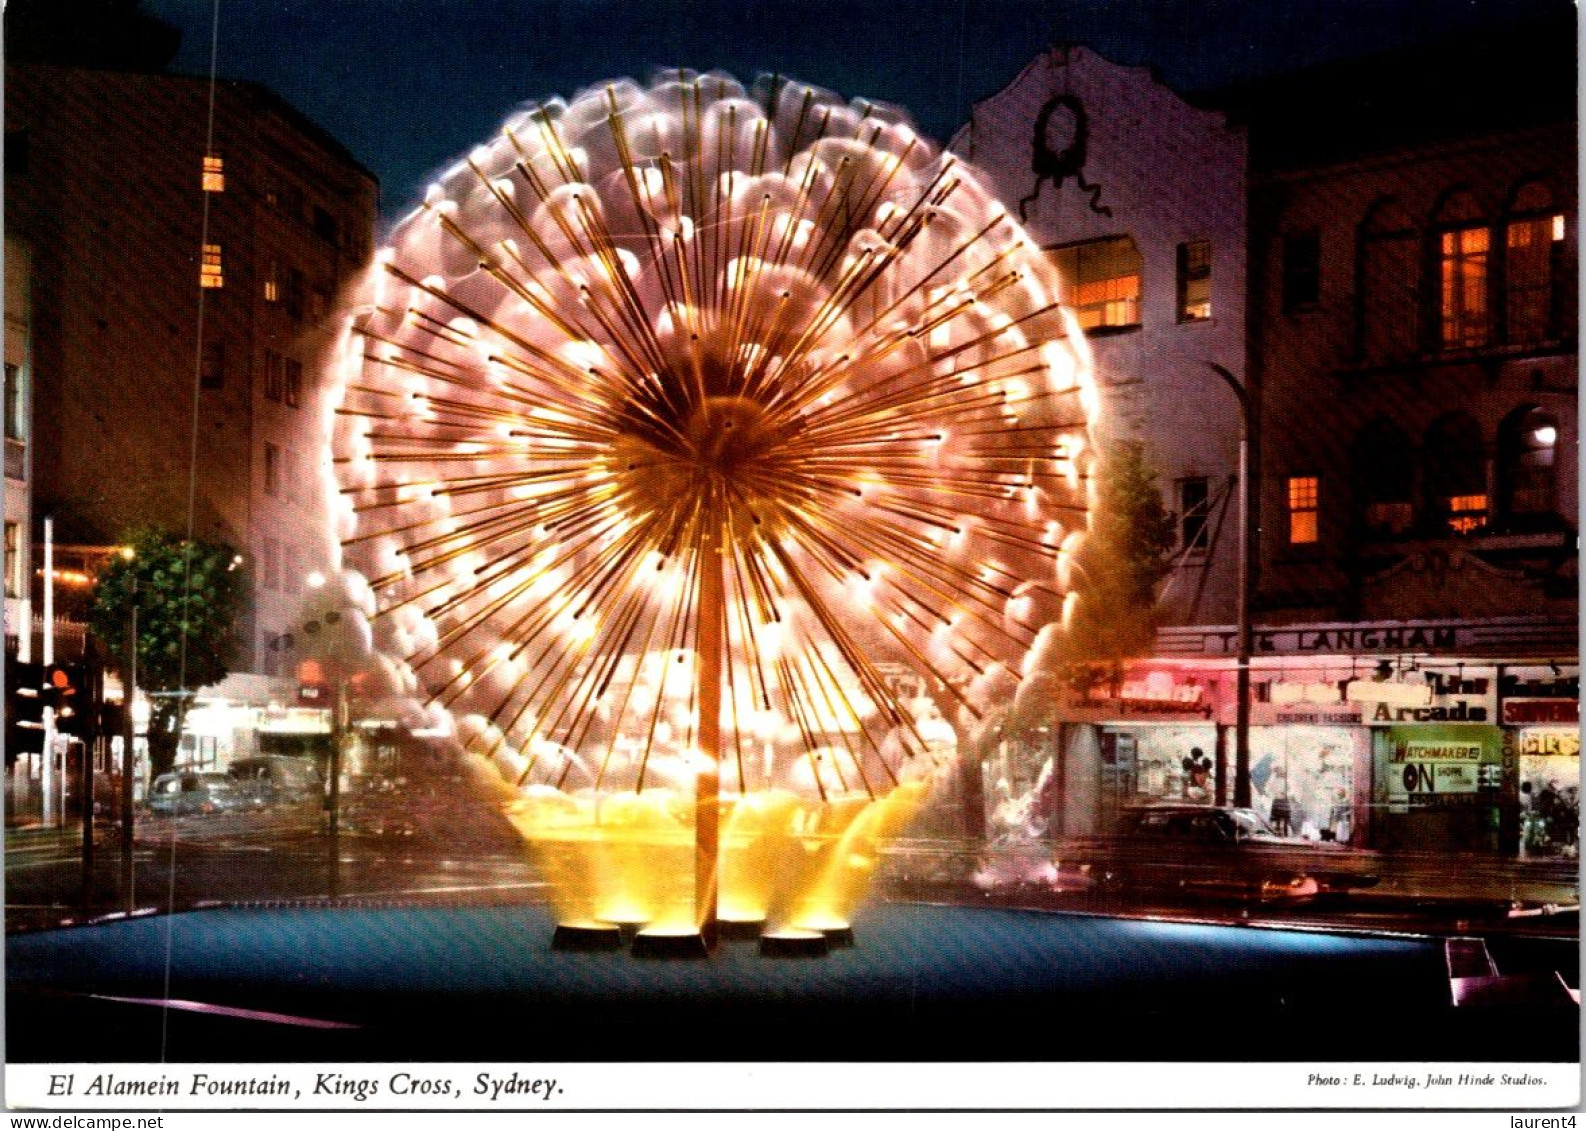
[409, 85]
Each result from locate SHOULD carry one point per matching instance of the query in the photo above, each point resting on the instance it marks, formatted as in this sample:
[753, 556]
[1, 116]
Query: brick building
[180, 286]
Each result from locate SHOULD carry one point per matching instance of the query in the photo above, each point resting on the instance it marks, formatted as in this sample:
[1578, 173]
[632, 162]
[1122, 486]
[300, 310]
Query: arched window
[1456, 475]
[1527, 466]
[1534, 241]
[1388, 270]
[1463, 250]
[1382, 466]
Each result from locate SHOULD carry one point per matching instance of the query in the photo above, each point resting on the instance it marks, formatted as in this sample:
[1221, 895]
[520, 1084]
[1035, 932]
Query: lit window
[210, 272]
[272, 469]
[1464, 287]
[1304, 492]
[1530, 254]
[1195, 281]
[1454, 474]
[1194, 505]
[214, 173]
[272, 282]
[1467, 513]
[1101, 281]
[1528, 464]
[13, 551]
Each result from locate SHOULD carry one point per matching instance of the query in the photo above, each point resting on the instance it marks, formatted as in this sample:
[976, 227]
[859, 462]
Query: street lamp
[1249, 422]
[129, 691]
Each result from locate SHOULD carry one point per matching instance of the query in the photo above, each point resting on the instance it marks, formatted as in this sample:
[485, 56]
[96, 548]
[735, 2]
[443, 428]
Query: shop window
[1527, 465]
[212, 365]
[1464, 250]
[1382, 464]
[214, 173]
[1194, 507]
[211, 269]
[1304, 501]
[1456, 475]
[1534, 242]
[1388, 270]
[1302, 270]
[272, 469]
[1101, 281]
[1195, 281]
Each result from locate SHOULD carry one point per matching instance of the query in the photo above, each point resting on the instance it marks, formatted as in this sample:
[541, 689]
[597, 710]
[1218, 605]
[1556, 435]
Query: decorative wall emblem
[1062, 137]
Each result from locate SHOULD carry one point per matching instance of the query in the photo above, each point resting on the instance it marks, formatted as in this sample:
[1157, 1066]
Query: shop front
[1541, 735]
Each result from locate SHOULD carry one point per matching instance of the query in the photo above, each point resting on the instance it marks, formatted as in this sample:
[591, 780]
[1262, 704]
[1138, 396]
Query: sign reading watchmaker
[1422, 772]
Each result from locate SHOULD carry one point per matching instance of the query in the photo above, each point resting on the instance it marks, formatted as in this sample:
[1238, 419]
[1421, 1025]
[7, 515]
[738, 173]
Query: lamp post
[1248, 426]
[337, 674]
[129, 692]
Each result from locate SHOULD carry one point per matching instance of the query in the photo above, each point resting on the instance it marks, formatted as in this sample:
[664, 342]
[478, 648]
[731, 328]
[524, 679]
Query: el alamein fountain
[705, 451]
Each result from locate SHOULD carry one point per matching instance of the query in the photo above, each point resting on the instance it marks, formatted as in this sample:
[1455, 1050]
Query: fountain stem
[707, 809]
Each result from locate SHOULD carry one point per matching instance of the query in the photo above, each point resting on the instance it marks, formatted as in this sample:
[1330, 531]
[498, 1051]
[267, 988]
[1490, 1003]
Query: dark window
[1389, 297]
[1456, 475]
[274, 375]
[272, 470]
[1383, 468]
[1195, 281]
[292, 300]
[18, 143]
[1302, 270]
[292, 385]
[1101, 281]
[325, 225]
[1194, 506]
[212, 365]
[15, 407]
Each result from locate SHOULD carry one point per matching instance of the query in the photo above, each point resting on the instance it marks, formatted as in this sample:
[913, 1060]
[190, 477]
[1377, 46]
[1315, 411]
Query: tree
[1122, 561]
[187, 595]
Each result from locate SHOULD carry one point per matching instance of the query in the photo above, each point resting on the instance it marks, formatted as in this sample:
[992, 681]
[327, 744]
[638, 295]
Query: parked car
[1218, 851]
[272, 780]
[188, 792]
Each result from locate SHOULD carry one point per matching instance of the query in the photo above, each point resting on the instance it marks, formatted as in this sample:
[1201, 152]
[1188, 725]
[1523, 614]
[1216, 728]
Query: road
[457, 857]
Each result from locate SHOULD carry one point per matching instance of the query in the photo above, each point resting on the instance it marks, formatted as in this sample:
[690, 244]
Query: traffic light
[66, 689]
[24, 733]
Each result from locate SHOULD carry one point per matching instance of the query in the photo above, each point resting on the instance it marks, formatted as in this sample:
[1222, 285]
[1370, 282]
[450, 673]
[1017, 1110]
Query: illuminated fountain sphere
[678, 426]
